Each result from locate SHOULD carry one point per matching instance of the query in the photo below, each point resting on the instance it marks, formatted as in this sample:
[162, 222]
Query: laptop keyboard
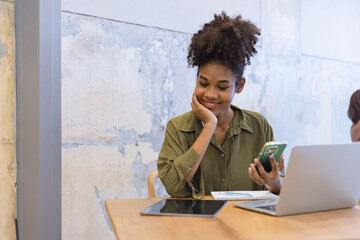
[269, 207]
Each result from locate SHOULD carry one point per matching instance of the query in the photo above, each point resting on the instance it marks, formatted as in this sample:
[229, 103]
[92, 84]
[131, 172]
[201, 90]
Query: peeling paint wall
[119, 84]
[8, 123]
[122, 82]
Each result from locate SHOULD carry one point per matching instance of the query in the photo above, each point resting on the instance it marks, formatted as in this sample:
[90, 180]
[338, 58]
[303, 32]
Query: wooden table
[230, 223]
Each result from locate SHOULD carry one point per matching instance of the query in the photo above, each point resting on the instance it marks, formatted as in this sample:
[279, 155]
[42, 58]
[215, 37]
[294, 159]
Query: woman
[212, 147]
[354, 115]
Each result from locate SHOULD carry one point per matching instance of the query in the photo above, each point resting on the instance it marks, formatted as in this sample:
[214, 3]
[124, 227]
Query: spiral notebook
[243, 195]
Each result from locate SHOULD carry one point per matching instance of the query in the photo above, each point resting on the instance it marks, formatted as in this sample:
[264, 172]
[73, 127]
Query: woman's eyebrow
[202, 77]
[224, 81]
[220, 81]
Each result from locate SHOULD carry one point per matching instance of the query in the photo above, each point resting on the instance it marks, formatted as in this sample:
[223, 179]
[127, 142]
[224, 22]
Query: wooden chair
[151, 183]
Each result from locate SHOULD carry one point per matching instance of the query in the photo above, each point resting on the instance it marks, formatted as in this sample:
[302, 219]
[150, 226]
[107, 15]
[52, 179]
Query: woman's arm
[177, 163]
[202, 142]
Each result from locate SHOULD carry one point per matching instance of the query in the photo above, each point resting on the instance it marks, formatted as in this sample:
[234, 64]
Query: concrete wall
[7, 120]
[124, 75]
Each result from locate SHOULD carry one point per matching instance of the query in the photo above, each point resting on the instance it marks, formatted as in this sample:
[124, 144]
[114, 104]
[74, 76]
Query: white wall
[124, 75]
[331, 29]
[180, 15]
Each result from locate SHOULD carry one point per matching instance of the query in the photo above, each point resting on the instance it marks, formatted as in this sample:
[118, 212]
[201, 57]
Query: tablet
[185, 207]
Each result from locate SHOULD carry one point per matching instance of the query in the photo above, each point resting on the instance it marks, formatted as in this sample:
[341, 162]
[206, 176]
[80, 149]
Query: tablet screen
[185, 207]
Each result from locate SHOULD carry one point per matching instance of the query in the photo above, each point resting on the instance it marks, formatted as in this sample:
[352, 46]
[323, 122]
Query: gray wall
[38, 111]
[7, 121]
[124, 75]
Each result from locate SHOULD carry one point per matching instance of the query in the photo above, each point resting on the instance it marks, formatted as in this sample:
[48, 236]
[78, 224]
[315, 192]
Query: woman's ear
[240, 85]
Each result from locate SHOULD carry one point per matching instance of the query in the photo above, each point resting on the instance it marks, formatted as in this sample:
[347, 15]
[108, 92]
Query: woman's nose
[211, 93]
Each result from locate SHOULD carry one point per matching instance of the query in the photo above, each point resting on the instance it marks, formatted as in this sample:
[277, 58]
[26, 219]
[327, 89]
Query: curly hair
[354, 107]
[229, 41]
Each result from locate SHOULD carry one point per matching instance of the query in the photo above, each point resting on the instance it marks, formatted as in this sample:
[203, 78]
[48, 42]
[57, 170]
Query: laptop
[318, 178]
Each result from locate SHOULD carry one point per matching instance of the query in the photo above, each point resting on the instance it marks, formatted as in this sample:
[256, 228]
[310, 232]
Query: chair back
[151, 183]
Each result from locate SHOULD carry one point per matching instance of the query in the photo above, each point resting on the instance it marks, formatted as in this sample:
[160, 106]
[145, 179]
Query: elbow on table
[174, 190]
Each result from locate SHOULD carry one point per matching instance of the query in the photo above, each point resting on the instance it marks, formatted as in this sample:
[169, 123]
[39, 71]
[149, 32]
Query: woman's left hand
[270, 179]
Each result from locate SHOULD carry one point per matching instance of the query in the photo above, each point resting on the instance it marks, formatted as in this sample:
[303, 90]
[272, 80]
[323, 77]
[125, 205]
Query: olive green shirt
[223, 168]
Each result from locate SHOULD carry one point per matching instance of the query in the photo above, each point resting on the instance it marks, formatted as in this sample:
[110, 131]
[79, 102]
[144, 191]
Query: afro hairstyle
[228, 41]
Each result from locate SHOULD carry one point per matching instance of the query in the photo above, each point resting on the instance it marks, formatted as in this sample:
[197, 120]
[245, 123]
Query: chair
[151, 183]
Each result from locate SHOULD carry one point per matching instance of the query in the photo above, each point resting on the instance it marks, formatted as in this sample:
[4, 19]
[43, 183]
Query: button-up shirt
[223, 167]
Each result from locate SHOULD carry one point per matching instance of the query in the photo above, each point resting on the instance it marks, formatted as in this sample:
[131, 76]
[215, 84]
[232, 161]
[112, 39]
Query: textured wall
[304, 96]
[7, 120]
[122, 82]
[120, 85]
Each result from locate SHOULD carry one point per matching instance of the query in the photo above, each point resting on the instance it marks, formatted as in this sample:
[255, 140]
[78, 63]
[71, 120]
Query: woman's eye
[223, 88]
[203, 84]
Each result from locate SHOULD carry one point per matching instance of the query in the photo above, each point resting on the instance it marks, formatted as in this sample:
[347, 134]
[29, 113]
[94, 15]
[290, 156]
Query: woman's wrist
[274, 186]
[210, 125]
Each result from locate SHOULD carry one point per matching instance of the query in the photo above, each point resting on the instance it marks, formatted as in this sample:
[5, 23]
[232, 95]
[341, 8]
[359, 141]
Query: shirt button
[222, 155]
[223, 180]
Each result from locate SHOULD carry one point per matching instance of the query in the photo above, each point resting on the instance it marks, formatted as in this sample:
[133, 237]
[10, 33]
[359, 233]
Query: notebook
[242, 195]
[318, 178]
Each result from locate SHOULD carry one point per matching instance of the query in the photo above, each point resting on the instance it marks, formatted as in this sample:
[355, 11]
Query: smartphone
[271, 148]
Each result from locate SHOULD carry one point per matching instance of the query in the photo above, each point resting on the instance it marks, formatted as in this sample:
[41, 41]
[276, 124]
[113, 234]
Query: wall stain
[7, 141]
[3, 50]
[141, 172]
[121, 137]
[102, 205]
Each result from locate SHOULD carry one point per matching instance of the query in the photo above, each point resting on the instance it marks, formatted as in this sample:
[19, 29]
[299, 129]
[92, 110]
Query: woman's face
[216, 86]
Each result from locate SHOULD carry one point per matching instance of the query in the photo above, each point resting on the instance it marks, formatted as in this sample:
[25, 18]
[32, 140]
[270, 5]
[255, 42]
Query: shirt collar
[239, 122]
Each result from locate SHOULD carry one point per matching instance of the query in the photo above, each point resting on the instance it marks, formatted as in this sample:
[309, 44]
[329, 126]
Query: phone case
[271, 148]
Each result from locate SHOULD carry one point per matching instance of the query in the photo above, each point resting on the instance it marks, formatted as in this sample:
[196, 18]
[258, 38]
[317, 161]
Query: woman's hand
[202, 113]
[272, 179]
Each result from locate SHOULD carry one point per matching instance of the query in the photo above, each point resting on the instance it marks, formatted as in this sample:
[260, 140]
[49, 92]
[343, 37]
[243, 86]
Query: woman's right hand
[202, 113]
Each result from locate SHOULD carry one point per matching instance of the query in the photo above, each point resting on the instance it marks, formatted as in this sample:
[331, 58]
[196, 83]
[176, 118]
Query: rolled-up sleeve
[175, 161]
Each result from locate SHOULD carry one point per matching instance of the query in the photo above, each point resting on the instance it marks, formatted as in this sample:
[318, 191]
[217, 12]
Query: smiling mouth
[209, 105]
